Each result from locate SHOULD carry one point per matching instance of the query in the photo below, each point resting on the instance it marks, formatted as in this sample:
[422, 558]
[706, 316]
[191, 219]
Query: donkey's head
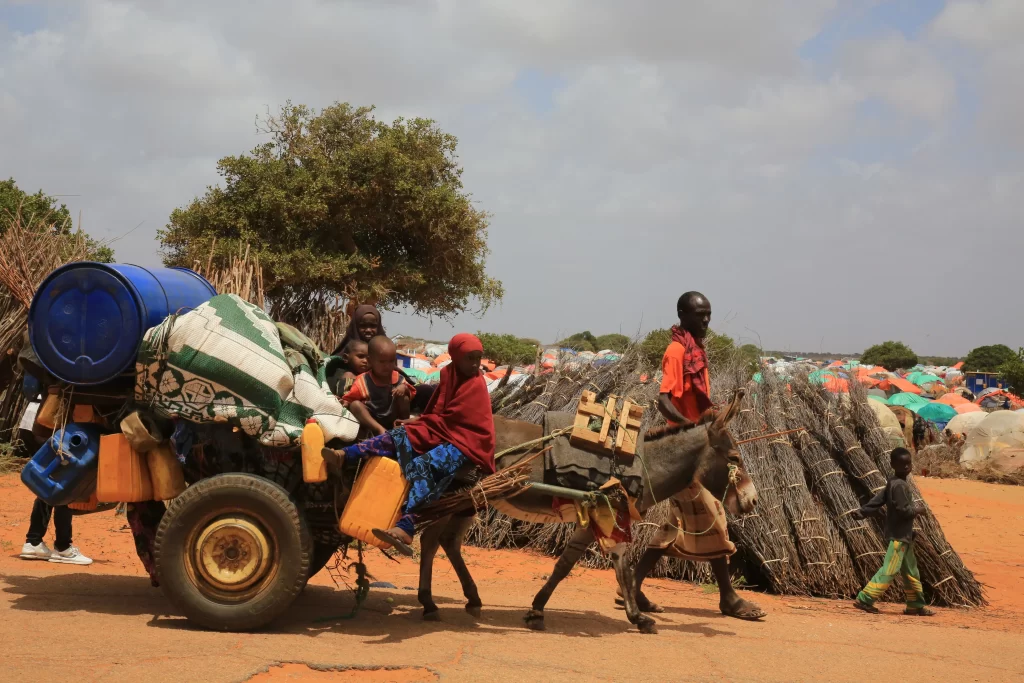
[722, 472]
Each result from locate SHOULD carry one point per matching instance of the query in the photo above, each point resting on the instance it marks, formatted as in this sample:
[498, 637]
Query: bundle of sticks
[502, 484]
[802, 538]
[31, 247]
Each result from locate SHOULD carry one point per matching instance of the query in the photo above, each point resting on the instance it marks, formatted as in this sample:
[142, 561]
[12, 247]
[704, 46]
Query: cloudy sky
[829, 174]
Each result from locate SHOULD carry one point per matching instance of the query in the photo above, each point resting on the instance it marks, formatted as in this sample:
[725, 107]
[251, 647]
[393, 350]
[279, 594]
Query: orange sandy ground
[104, 622]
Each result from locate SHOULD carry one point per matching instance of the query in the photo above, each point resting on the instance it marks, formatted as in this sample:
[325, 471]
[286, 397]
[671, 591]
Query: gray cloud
[683, 146]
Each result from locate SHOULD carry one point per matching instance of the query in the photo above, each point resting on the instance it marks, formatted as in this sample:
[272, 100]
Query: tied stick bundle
[800, 539]
[764, 535]
[238, 274]
[830, 483]
[502, 484]
[31, 247]
[823, 559]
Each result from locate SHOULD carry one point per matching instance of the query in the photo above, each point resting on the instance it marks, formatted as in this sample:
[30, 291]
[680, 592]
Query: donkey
[674, 458]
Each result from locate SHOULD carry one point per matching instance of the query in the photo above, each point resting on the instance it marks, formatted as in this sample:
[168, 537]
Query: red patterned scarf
[695, 365]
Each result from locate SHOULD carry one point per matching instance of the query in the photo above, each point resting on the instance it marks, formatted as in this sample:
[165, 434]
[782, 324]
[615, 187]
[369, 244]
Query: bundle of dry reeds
[31, 247]
[801, 539]
[238, 274]
[501, 484]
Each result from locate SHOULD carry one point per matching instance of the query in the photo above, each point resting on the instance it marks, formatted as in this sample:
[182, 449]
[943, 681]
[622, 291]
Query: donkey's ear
[724, 418]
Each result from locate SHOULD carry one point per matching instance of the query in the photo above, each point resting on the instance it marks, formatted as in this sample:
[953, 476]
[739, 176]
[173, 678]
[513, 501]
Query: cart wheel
[232, 552]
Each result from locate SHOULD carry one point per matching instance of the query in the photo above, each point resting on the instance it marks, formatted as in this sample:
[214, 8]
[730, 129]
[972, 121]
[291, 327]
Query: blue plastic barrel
[64, 469]
[87, 319]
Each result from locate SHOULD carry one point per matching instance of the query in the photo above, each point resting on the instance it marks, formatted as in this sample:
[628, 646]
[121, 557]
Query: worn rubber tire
[233, 494]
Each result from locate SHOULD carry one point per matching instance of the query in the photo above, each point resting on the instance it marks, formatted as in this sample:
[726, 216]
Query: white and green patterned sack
[224, 361]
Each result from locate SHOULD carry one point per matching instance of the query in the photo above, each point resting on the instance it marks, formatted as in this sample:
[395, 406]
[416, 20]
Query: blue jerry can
[64, 469]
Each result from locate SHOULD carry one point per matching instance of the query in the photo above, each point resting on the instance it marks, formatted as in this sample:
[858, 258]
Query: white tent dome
[998, 441]
[964, 423]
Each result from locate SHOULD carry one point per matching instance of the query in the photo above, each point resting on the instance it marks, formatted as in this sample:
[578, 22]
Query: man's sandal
[921, 612]
[863, 606]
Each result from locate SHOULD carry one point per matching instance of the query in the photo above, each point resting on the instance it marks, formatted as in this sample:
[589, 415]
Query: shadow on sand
[321, 609]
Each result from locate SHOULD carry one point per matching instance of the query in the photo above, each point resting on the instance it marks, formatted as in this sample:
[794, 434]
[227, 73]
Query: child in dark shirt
[355, 360]
[379, 397]
[899, 559]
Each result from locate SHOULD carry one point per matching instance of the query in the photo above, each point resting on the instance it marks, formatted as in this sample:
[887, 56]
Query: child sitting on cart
[380, 397]
[455, 430]
[355, 360]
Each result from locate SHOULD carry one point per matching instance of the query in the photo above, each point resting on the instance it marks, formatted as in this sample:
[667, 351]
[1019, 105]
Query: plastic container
[83, 413]
[60, 480]
[47, 415]
[165, 473]
[314, 469]
[376, 501]
[86, 505]
[87, 319]
[123, 474]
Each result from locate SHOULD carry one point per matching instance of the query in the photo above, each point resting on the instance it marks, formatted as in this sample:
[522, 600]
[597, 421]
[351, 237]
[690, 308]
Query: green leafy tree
[508, 349]
[581, 341]
[613, 342]
[42, 209]
[891, 355]
[338, 204]
[720, 347]
[654, 344]
[750, 356]
[989, 358]
[1013, 372]
[941, 361]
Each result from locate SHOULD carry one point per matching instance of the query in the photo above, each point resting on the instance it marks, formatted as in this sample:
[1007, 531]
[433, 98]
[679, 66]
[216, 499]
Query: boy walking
[901, 510]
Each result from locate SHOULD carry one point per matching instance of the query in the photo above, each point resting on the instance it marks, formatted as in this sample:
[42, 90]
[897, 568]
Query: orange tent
[952, 399]
[966, 407]
[959, 366]
[904, 385]
[444, 357]
[836, 385]
[836, 364]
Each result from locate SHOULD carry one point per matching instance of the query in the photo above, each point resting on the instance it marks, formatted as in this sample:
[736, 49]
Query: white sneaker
[35, 552]
[70, 556]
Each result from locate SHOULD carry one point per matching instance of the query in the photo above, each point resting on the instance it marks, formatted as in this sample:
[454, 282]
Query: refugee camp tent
[922, 378]
[953, 399]
[901, 385]
[939, 413]
[997, 441]
[906, 400]
[965, 422]
[416, 373]
[997, 398]
[890, 425]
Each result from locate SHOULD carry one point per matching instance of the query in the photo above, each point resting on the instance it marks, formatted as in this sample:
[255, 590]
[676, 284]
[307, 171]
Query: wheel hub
[232, 554]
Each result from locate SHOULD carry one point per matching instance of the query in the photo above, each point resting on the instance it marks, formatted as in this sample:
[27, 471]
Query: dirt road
[105, 623]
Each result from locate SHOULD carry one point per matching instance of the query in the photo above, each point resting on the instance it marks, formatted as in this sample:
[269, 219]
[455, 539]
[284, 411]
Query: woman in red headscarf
[456, 429]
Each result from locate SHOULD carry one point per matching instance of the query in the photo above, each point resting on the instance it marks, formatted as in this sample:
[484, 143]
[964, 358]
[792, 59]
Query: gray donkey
[673, 459]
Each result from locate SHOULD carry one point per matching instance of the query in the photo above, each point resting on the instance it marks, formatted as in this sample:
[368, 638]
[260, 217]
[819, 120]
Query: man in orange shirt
[685, 388]
[685, 399]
